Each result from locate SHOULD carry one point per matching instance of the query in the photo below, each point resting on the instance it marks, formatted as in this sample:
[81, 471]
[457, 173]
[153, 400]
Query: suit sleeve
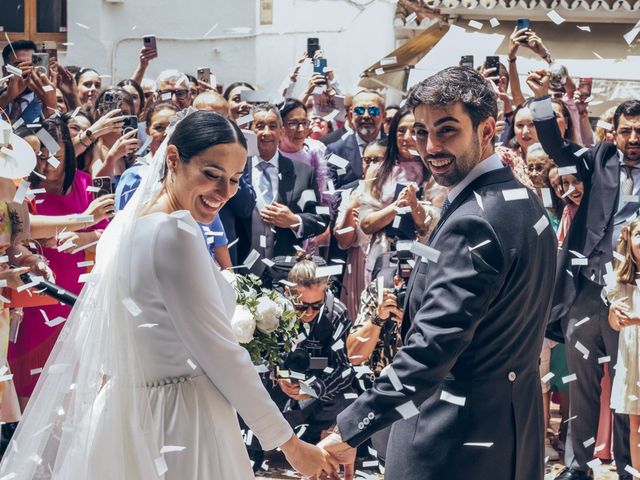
[243, 202]
[184, 274]
[458, 290]
[559, 150]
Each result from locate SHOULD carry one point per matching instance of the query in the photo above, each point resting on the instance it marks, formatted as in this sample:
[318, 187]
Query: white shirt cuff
[542, 109]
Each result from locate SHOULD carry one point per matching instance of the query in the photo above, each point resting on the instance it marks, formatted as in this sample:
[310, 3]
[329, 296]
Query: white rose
[267, 318]
[243, 324]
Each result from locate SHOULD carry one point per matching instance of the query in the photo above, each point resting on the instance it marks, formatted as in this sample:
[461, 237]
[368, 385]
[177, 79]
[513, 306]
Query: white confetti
[547, 377]
[494, 22]
[541, 224]
[161, 466]
[594, 463]
[581, 152]
[479, 444]
[555, 17]
[570, 170]
[486, 242]
[172, 448]
[21, 192]
[479, 200]
[407, 410]
[425, 251]
[328, 271]
[584, 28]
[569, 378]
[602, 360]
[632, 471]
[131, 306]
[583, 350]
[191, 364]
[448, 397]
[475, 24]
[515, 194]
[82, 25]
[583, 321]
[604, 125]
[588, 443]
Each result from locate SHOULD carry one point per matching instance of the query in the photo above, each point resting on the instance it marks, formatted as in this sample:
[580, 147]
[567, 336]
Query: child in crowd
[624, 316]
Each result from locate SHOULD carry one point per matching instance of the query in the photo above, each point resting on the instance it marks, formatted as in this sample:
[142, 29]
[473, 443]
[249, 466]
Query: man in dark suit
[464, 391]
[366, 115]
[287, 207]
[611, 179]
[238, 209]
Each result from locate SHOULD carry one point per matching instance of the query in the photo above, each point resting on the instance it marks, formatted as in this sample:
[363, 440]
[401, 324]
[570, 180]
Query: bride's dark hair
[201, 130]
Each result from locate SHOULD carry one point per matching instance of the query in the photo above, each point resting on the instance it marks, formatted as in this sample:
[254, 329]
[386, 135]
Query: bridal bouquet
[264, 321]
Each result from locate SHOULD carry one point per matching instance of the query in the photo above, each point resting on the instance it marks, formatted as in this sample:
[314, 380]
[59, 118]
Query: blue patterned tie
[266, 187]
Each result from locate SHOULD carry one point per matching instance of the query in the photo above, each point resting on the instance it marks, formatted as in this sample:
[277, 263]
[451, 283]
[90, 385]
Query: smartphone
[492, 62]
[129, 123]
[466, 61]
[204, 75]
[313, 45]
[111, 101]
[49, 47]
[41, 62]
[150, 41]
[584, 87]
[319, 65]
[523, 23]
[104, 186]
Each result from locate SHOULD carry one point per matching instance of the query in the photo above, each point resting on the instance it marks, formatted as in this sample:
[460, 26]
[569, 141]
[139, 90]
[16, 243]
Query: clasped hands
[321, 462]
[624, 316]
[280, 216]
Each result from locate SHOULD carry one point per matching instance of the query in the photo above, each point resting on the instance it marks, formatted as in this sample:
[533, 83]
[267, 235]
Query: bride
[146, 377]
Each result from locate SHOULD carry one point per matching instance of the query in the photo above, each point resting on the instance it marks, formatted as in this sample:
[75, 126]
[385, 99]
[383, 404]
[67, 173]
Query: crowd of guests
[334, 179]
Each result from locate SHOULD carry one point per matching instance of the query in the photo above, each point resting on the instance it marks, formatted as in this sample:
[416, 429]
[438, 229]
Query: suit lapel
[286, 181]
[354, 156]
[494, 176]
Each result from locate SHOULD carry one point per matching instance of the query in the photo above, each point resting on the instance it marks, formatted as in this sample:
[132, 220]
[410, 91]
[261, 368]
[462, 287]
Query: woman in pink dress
[60, 190]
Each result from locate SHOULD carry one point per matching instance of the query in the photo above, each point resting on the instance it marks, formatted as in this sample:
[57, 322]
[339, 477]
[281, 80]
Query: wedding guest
[624, 316]
[397, 181]
[350, 236]
[65, 193]
[89, 85]
[326, 318]
[233, 95]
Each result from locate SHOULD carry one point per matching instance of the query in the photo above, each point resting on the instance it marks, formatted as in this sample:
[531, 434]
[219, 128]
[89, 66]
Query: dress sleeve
[193, 298]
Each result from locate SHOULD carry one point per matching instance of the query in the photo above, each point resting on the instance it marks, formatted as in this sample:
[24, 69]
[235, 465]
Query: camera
[300, 361]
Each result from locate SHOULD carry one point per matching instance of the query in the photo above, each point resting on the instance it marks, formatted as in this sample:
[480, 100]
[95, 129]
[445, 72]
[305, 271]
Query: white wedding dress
[146, 376]
[196, 372]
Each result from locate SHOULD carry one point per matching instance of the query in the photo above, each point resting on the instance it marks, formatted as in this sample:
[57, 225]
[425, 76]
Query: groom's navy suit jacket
[474, 322]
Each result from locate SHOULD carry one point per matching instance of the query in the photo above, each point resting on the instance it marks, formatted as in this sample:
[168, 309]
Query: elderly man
[366, 116]
[464, 391]
[173, 85]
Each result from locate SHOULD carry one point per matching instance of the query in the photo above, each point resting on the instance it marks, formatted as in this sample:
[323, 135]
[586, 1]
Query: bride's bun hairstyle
[304, 272]
[201, 130]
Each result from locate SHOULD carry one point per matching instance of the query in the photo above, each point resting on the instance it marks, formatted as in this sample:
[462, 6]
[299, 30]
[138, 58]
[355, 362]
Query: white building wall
[352, 37]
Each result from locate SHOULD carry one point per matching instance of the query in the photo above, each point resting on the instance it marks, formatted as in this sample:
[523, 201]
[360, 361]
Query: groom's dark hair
[457, 85]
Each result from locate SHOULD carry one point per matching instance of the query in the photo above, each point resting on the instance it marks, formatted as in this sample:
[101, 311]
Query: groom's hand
[344, 453]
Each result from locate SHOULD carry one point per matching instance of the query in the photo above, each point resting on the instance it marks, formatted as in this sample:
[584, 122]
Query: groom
[463, 394]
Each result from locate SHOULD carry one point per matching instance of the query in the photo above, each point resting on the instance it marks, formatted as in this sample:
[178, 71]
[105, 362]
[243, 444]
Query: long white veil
[89, 416]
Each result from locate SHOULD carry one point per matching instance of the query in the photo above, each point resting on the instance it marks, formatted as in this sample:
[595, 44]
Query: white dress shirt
[274, 176]
[489, 164]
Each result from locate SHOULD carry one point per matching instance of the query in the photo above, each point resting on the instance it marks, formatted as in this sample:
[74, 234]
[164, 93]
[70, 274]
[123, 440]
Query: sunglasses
[373, 111]
[304, 306]
[177, 93]
[369, 160]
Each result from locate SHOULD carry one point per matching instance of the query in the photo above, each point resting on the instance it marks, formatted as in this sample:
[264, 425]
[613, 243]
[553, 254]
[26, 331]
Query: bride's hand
[310, 460]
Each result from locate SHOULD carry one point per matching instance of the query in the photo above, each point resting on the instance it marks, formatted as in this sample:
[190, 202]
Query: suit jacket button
[512, 376]
[371, 416]
[361, 426]
[366, 421]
